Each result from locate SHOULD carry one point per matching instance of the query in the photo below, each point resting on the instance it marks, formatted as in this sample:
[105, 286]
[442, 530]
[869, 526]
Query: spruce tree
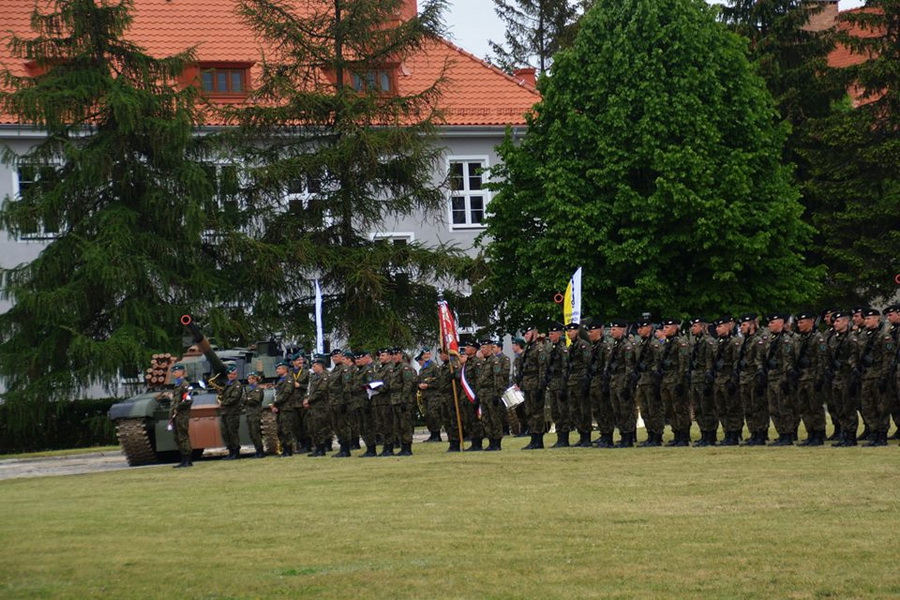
[535, 31]
[654, 162]
[856, 162]
[329, 120]
[115, 177]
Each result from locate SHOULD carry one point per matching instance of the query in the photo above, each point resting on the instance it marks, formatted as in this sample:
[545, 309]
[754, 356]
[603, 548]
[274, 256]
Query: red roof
[843, 56]
[475, 93]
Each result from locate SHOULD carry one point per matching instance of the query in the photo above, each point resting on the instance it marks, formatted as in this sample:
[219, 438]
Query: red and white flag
[449, 338]
[470, 393]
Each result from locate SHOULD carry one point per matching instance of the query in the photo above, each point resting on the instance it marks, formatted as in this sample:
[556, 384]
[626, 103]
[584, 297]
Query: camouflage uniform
[230, 413]
[701, 359]
[599, 392]
[445, 390]
[317, 398]
[298, 418]
[560, 406]
[753, 402]
[384, 412]
[504, 369]
[284, 402]
[775, 364]
[489, 397]
[810, 367]
[647, 396]
[339, 405]
[474, 428]
[621, 390]
[403, 390]
[363, 405]
[728, 406]
[535, 363]
[180, 415]
[876, 353]
[431, 399]
[578, 384]
[252, 403]
[671, 370]
[843, 354]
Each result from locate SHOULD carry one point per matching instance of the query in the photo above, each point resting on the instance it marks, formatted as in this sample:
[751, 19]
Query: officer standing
[876, 353]
[518, 348]
[775, 366]
[297, 416]
[488, 393]
[502, 372]
[599, 387]
[384, 412]
[752, 397]
[578, 384]
[316, 403]
[643, 378]
[728, 405]
[180, 415]
[560, 406]
[229, 401]
[404, 402]
[445, 386]
[339, 402]
[252, 403]
[892, 313]
[843, 355]
[362, 403]
[618, 371]
[470, 370]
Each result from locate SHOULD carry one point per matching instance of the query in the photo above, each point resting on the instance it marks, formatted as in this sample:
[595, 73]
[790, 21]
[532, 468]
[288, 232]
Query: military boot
[476, 445]
[355, 445]
[864, 436]
[491, 445]
[434, 437]
[532, 445]
[185, 462]
[343, 453]
[405, 449]
[286, 451]
[539, 441]
[454, 446]
[682, 439]
[499, 443]
[260, 453]
[562, 440]
[388, 450]
[878, 438]
[369, 453]
[836, 434]
[819, 438]
[605, 441]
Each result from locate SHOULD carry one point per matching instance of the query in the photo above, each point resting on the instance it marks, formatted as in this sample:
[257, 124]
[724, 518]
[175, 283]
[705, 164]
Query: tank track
[269, 426]
[135, 441]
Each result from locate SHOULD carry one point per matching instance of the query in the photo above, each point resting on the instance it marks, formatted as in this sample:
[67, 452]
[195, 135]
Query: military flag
[572, 301]
[450, 344]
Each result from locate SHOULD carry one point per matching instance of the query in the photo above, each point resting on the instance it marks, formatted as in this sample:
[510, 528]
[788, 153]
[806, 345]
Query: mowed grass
[576, 523]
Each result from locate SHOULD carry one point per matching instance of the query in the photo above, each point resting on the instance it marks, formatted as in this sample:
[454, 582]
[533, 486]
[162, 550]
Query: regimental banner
[572, 302]
[449, 337]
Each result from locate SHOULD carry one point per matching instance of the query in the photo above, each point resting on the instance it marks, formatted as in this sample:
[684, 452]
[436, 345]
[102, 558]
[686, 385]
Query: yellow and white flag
[572, 301]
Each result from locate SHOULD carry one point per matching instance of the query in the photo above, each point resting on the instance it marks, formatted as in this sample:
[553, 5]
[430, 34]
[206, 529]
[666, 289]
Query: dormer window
[224, 79]
[377, 80]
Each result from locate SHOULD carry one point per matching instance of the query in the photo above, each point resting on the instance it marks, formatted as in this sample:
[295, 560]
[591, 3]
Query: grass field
[575, 523]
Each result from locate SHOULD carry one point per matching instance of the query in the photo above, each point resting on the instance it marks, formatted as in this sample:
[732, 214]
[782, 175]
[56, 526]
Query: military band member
[283, 407]
[810, 368]
[535, 366]
[702, 348]
[180, 415]
[316, 403]
[229, 401]
[252, 404]
[426, 384]
[578, 384]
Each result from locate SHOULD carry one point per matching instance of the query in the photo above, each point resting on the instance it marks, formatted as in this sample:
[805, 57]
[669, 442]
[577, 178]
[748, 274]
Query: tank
[142, 421]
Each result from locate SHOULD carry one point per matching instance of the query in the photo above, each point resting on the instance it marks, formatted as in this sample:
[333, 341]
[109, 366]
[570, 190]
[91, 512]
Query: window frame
[214, 67]
[466, 193]
[41, 235]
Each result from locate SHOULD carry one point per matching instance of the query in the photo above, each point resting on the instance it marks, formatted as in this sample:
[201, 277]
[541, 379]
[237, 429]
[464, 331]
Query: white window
[402, 238]
[468, 198]
[27, 185]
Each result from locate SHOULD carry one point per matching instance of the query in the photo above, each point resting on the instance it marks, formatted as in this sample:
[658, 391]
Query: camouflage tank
[142, 421]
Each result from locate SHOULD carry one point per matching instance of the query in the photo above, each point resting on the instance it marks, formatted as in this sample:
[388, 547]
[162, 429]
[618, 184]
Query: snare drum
[513, 397]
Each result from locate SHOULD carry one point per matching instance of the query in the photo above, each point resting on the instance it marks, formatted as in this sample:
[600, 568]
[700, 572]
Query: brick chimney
[825, 18]
[526, 75]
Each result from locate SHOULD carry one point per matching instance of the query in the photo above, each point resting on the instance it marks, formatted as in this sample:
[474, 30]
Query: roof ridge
[517, 80]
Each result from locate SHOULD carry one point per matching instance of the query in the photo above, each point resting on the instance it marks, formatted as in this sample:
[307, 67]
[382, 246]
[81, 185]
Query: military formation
[732, 376]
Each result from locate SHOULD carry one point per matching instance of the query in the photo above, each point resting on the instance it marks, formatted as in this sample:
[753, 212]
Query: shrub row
[46, 425]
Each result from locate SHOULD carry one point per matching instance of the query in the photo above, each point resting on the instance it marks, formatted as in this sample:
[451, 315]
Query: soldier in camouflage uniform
[752, 398]
[316, 403]
[338, 407]
[701, 359]
[300, 427]
[877, 351]
[446, 391]
[672, 372]
[826, 393]
[229, 401]
[728, 405]
[810, 367]
[504, 369]
[362, 404]
[775, 370]
[598, 387]
[426, 383]
[535, 365]
[252, 404]
[488, 395]
[283, 407]
[403, 399]
[384, 411]
[618, 371]
[471, 368]
[892, 313]
[646, 355]
[518, 348]
[557, 393]
[578, 384]
[180, 415]
[843, 355]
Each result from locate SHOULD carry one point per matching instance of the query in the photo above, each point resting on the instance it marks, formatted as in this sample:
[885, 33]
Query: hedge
[45, 425]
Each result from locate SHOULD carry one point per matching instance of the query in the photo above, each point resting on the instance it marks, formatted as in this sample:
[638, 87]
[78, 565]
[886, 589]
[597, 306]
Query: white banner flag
[320, 337]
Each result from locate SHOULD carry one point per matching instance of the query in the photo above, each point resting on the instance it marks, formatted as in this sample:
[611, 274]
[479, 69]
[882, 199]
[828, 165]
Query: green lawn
[576, 523]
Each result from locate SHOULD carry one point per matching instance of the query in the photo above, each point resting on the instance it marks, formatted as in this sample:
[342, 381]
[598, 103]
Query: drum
[513, 397]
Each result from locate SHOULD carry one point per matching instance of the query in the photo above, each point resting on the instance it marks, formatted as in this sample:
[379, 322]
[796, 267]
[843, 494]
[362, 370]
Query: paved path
[89, 462]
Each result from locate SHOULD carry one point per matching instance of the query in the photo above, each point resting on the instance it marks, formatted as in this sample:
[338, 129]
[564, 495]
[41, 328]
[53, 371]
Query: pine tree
[856, 162]
[328, 120]
[535, 31]
[653, 161]
[116, 178]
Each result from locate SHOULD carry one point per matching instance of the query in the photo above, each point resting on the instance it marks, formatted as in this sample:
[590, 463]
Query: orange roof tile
[842, 56]
[476, 94]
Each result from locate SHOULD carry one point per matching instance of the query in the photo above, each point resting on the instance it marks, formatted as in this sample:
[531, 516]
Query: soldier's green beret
[857, 309]
[319, 359]
[396, 350]
[361, 353]
[485, 342]
[643, 322]
[595, 325]
[871, 312]
[519, 341]
[724, 319]
[230, 368]
[282, 363]
[177, 367]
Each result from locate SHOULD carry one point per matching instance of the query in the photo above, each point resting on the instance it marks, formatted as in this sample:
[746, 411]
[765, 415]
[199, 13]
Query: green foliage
[856, 158]
[327, 121]
[49, 425]
[117, 175]
[653, 161]
[535, 31]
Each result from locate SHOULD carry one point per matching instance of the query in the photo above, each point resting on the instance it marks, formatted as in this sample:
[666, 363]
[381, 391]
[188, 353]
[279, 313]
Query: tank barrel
[215, 362]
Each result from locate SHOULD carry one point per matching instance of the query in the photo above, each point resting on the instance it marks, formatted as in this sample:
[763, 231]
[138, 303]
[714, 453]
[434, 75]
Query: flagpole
[448, 341]
[456, 403]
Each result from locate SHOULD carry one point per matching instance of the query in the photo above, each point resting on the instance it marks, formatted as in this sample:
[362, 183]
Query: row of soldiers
[728, 373]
